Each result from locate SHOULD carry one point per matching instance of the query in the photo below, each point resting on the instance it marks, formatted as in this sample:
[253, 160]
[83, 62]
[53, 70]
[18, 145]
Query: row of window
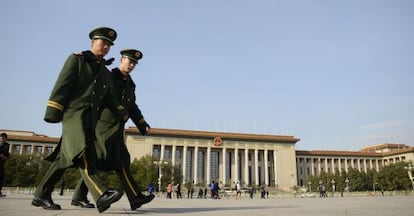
[30, 149]
[342, 160]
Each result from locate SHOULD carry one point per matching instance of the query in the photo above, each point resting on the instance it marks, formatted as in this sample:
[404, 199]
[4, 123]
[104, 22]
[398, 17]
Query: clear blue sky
[339, 75]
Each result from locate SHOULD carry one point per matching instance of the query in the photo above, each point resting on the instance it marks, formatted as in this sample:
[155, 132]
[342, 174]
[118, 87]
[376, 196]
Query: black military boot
[141, 200]
[82, 203]
[47, 204]
[109, 197]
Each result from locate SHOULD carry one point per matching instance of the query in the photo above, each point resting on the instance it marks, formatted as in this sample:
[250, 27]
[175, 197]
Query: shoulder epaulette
[78, 53]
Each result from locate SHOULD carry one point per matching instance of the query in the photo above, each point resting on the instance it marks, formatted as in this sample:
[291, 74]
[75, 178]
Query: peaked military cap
[132, 54]
[105, 33]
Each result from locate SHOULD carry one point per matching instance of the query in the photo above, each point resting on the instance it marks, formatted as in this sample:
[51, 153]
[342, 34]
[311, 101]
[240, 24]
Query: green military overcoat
[77, 99]
[111, 148]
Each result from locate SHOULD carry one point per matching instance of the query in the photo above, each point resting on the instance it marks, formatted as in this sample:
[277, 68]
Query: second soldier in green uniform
[111, 149]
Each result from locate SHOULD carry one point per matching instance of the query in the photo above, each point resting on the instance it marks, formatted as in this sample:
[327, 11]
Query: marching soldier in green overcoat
[111, 149]
[82, 88]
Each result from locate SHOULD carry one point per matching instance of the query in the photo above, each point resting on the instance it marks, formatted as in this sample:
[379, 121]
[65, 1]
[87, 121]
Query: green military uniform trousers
[55, 174]
[129, 185]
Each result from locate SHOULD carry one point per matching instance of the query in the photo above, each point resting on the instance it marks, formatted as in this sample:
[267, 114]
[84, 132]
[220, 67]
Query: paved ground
[19, 204]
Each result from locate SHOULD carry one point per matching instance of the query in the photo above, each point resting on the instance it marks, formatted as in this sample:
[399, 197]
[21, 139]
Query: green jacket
[111, 149]
[82, 89]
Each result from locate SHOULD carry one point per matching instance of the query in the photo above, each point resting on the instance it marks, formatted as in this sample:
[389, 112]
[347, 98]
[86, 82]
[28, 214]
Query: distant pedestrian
[4, 155]
[238, 190]
[262, 191]
[200, 193]
[205, 192]
[214, 188]
[151, 188]
[178, 191]
[217, 190]
[169, 191]
[251, 193]
[190, 191]
[323, 189]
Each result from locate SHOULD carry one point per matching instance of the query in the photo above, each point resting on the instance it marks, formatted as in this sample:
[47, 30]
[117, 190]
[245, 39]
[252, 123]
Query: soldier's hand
[51, 120]
[144, 128]
[125, 118]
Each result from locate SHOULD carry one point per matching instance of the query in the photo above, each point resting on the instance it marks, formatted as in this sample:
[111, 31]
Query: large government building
[252, 159]
[203, 157]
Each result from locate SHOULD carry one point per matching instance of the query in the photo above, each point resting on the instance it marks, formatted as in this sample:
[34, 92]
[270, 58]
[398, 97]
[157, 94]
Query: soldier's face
[127, 65]
[100, 47]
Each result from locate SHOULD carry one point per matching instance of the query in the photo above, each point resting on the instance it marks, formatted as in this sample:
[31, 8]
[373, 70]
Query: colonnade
[204, 164]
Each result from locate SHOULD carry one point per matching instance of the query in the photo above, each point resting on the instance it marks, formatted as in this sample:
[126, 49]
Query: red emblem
[218, 141]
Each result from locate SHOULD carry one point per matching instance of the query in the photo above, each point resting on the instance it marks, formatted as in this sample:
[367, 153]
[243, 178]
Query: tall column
[174, 149]
[326, 165]
[184, 162]
[246, 166]
[275, 166]
[312, 172]
[195, 164]
[162, 152]
[236, 164]
[341, 166]
[266, 167]
[333, 165]
[224, 166]
[208, 164]
[256, 166]
[346, 164]
[319, 166]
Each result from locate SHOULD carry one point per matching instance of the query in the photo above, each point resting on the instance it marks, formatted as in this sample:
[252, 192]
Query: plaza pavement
[19, 204]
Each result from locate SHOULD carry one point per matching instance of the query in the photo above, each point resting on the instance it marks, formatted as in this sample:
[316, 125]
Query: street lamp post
[160, 164]
[333, 187]
[373, 185]
[310, 186]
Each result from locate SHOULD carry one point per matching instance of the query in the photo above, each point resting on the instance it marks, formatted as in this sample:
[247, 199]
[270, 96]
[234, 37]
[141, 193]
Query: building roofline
[35, 138]
[384, 146]
[407, 149]
[365, 152]
[14, 132]
[212, 135]
[338, 153]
